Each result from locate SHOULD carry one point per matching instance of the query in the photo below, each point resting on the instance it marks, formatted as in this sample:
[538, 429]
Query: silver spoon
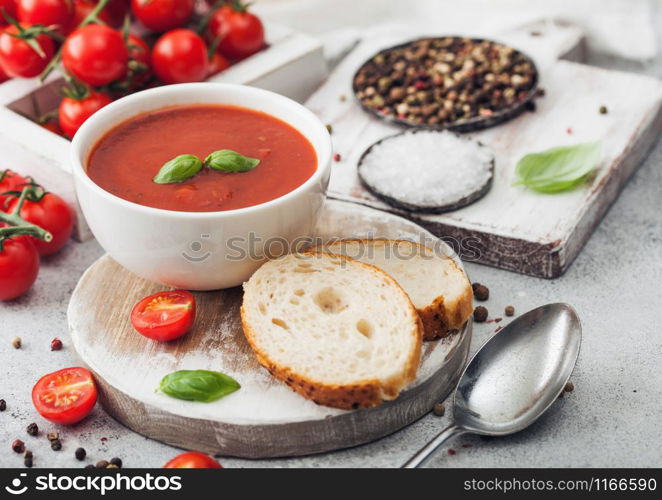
[514, 377]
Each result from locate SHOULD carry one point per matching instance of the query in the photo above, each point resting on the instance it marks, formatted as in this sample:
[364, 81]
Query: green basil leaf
[558, 169]
[198, 385]
[179, 169]
[227, 160]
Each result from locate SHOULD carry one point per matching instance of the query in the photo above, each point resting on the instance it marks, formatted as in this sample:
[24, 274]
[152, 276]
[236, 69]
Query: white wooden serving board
[264, 418]
[292, 65]
[512, 227]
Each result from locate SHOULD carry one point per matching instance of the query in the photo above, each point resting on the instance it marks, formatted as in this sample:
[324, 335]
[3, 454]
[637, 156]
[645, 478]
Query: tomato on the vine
[19, 266]
[7, 7]
[163, 15]
[95, 54]
[10, 181]
[57, 13]
[83, 8]
[18, 58]
[140, 61]
[72, 113]
[164, 316]
[217, 63]
[52, 126]
[180, 56]
[66, 396]
[240, 33]
[192, 460]
[51, 213]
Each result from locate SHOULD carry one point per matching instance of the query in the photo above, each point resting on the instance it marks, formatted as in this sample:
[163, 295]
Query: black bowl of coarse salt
[456, 83]
[429, 171]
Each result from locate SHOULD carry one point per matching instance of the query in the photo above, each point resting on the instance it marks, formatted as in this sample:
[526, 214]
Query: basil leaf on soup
[558, 169]
[179, 169]
[198, 385]
[227, 160]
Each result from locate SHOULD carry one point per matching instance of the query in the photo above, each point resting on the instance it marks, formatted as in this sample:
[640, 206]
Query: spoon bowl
[514, 377]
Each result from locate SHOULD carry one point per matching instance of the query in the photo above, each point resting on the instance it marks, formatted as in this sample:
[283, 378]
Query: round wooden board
[264, 418]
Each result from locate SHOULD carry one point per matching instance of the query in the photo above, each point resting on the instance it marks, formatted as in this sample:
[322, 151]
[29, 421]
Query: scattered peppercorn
[32, 429]
[27, 461]
[337, 157]
[482, 293]
[102, 464]
[52, 436]
[536, 33]
[16, 342]
[56, 344]
[540, 92]
[343, 98]
[509, 310]
[568, 131]
[27, 454]
[480, 314]
[112, 466]
[18, 446]
[603, 110]
[116, 461]
[467, 445]
[451, 451]
[80, 453]
[439, 410]
[329, 127]
[3, 405]
[569, 387]
[56, 445]
[89, 466]
[475, 285]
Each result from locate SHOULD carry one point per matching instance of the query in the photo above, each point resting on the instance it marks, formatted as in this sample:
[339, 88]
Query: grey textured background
[612, 419]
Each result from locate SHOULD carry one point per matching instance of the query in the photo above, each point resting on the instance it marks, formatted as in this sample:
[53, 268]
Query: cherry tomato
[192, 460]
[66, 396]
[51, 213]
[58, 13]
[241, 33]
[164, 316]
[95, 54]
[72, 113]
[18, 59]
[19, 266]
[217, 63]
[180, 56]
[52, 126]
[9, 181]
[163, 15]
[140, 53]
[117, 9]
[7, 7]
[82, 9]
[3, 76]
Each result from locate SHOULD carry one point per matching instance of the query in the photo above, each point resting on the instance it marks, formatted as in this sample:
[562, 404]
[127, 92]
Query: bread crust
[440, 318]
[363, 394]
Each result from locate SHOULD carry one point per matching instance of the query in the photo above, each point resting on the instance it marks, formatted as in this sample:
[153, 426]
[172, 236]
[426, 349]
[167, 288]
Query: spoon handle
[427, 450]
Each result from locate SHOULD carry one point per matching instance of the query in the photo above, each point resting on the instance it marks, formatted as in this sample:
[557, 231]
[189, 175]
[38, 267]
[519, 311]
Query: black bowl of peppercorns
[456, 83]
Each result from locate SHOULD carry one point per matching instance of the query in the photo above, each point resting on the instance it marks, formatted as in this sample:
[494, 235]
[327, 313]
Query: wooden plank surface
[264, 418]
[512, 227]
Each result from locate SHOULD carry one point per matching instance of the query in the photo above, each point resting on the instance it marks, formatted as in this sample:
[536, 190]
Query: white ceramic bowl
[200, 250]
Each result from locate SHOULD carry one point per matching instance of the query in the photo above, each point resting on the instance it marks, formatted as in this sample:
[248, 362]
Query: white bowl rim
[76, 150]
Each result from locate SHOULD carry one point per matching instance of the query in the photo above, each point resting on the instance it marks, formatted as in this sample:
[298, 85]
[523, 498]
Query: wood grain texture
[264, 418]
[512, 227]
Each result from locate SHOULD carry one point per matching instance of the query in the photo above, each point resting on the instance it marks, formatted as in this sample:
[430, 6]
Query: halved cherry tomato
[163, 15]
[95, 54]
[180, 56]
[164, 316]
[72, 113]
[241, 33]
[192, 460]
[51, 213]
[66, 396]
[18, 59]
[19, 266]
[7, 7]
[56, 13]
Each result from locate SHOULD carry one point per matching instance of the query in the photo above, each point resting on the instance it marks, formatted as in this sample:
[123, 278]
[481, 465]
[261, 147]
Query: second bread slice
[438, 288]
[335, 330]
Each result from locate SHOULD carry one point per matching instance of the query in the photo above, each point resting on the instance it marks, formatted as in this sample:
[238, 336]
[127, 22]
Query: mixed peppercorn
[445, 81]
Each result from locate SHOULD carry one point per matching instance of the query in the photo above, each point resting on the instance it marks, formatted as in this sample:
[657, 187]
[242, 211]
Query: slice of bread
[437, 287]
[337, 331]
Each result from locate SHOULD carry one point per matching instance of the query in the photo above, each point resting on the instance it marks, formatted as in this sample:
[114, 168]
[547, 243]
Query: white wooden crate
[292, 65]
